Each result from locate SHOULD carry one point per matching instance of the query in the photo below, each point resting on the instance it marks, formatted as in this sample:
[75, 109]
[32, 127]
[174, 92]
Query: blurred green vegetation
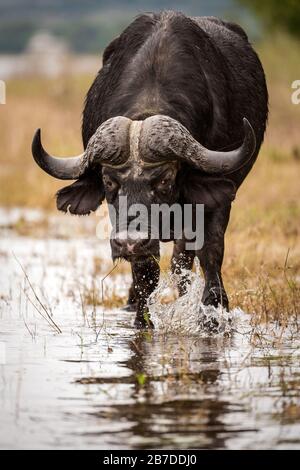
[90, 25]
[283, 14]
[91, 35]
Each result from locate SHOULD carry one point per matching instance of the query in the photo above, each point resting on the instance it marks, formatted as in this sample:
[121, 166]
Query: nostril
[142, 243]
[118, 242]
[130, 247]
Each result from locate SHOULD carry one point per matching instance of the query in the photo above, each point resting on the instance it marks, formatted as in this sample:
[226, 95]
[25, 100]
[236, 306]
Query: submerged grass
[258, 274]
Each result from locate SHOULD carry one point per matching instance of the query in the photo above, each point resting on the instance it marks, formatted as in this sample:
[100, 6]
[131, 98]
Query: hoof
[214, 296]
[210, 324]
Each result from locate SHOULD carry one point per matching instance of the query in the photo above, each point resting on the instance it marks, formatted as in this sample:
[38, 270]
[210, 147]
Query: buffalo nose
[126, 246]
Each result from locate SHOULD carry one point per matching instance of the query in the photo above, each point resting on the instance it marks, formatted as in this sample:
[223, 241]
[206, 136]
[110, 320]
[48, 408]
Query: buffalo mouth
[135, 251]
[139, 259]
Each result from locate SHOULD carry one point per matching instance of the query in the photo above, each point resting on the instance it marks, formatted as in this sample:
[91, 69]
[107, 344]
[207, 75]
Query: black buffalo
[176, 114]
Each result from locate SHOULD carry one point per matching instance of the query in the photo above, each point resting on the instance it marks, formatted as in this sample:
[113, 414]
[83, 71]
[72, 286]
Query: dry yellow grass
[264, 225]
[92, 296]
[262, 263]
[53, 105]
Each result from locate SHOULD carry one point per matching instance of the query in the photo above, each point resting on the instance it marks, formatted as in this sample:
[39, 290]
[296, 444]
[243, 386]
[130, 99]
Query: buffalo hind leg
[211, 257]
[145, 279]
[182, 260]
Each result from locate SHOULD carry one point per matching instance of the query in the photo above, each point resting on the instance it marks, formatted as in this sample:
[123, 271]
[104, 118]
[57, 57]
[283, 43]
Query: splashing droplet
[187, 315]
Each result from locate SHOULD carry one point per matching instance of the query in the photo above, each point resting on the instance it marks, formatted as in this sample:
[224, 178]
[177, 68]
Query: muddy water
[100, 384]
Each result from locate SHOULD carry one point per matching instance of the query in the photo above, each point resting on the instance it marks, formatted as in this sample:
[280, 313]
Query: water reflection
[177, 395]
[174, 404]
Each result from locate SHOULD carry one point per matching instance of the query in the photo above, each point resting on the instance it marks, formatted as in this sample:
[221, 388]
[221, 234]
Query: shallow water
[101, 384]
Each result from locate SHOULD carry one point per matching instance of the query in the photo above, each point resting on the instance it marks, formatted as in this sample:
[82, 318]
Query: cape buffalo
[177, 114]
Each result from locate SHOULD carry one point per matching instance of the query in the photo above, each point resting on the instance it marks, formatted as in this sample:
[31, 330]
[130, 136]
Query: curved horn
[108, 146]
[171, 140]
[61, 168]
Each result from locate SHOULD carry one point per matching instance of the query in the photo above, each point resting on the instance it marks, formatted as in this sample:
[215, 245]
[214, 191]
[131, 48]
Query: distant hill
[88, 25]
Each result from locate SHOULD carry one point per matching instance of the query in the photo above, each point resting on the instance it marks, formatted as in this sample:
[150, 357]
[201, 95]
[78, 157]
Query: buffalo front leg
[132, 300]
[145, 279]
[182, 260]
[211, 257]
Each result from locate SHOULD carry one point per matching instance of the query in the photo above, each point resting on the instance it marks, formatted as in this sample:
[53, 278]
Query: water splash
[187, 315]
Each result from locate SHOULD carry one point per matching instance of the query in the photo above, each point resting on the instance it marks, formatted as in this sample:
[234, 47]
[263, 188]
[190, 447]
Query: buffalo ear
[210, 191]
[81, 197]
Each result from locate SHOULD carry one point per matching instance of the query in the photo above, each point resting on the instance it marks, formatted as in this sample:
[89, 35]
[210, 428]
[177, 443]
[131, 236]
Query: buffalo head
[139, 160]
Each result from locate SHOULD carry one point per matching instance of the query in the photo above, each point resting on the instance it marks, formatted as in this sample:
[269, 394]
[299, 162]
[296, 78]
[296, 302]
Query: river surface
[76, 374]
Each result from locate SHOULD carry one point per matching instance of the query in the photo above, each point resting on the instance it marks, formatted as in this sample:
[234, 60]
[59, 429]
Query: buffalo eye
[109, 184]
[164, 185]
